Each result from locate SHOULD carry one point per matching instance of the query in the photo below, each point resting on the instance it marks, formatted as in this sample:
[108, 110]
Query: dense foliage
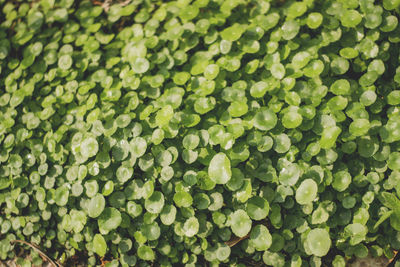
[185, 132]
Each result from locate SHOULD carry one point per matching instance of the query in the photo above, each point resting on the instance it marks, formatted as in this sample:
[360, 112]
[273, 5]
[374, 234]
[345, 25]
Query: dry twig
[394, 259]
[107, 4]
[42, 254]
[236, 240]
[125, 3]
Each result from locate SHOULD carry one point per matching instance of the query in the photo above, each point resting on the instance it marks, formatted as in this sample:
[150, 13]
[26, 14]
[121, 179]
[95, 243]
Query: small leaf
[96, 205]
[233, 32]
[99, 245]
[61, 196]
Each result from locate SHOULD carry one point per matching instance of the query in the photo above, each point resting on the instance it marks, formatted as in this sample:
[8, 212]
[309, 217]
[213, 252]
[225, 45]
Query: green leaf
[394, 161]
[314, 20]
[390, 201]
[290, 29]
[257, 208]
[265, 119]
[318, 242]
[99, 245]
[183, 199]
[341, 180]
[155, 203]
[259, 89]
[96, 206]
[35, 19]
[219, 169]
[140, 65]
[383, 218]
[169, 127]
[65, 62]
[89, 147]
[357, 233]
[240, 223]
[191, 227]
[391, 4]
[78, 220]
[145, 253]
[233, 32]
[61, 195]
[151, 231]
[168, 214]
[164, 115]
[109, 220]
[189, 13]
[306, 192]
[289, 174]
[350, 18]
[261, 238]
[301, 59]
[340, 87]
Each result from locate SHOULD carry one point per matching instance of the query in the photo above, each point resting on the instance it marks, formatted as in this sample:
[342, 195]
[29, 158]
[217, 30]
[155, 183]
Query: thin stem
[34, 247]
[236, 240]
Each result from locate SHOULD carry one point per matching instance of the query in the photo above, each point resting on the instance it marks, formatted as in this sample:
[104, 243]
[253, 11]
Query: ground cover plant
[199, 133]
